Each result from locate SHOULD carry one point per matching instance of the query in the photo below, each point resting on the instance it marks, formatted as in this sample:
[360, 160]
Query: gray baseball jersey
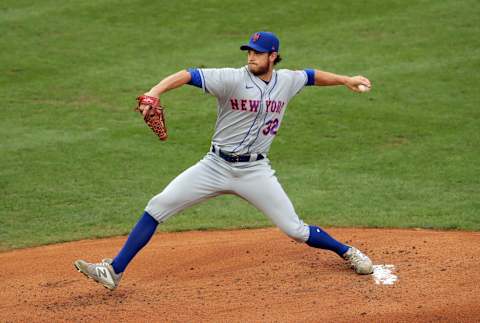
[250, 111]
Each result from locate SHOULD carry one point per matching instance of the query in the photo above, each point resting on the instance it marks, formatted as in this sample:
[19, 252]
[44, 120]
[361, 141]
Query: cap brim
[254, 47]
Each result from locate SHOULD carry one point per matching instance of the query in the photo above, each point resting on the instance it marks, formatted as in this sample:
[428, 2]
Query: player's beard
[259, 70]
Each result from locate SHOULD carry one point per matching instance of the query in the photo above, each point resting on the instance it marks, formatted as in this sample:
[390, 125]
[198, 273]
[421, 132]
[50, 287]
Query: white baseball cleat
[359, 261]
[102, 272]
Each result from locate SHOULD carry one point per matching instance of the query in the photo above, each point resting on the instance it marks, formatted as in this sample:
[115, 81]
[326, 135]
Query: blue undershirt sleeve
[310, 76]
[196, 77]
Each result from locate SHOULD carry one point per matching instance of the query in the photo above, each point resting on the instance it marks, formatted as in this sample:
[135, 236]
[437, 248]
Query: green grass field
[77, 162]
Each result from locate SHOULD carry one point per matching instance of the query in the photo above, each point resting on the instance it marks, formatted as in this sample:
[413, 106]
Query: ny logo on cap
[256, 37]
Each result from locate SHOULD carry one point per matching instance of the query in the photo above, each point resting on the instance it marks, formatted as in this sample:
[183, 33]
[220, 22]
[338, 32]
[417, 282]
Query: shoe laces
[100, 263]
[358, 256]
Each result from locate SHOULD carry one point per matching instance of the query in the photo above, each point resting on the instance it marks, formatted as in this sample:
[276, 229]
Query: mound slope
[249, 275]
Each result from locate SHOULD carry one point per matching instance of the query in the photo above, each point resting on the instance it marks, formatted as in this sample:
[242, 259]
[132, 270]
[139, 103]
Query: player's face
[259, 63]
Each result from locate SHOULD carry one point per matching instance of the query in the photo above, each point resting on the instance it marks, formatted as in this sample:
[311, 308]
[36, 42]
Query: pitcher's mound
[250, 276]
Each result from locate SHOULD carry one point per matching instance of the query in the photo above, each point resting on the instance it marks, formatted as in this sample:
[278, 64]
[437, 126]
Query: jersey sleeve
[195, 77]
[217, 81]
[298, 80]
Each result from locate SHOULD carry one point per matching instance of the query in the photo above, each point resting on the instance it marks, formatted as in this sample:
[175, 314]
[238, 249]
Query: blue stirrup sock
[138, 238]
[320, 239]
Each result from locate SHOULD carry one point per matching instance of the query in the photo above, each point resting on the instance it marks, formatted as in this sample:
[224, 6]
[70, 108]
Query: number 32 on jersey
[271, 127]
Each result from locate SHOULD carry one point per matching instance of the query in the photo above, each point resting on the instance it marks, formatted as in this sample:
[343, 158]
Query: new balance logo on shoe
[102, 272]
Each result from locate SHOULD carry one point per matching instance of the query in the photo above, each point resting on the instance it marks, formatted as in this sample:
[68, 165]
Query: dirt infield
[249, 276]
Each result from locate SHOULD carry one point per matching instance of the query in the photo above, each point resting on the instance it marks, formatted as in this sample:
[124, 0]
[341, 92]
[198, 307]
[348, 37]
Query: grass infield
[77, 162]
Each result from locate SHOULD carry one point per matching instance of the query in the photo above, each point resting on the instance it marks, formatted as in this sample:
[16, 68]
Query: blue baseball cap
[263, 42]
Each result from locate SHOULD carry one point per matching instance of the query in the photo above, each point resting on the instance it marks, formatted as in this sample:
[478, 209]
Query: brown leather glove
[154, 116]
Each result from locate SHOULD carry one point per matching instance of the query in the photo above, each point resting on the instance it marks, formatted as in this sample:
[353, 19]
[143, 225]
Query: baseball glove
[155, 116]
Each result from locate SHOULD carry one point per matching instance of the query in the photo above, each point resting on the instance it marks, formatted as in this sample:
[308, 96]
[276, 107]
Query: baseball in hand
[363, 88]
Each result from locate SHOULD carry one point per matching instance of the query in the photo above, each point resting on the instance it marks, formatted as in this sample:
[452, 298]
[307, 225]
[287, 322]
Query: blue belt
[232, 158]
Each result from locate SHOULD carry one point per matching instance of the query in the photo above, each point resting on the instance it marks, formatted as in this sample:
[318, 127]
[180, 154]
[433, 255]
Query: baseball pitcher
[251, 103]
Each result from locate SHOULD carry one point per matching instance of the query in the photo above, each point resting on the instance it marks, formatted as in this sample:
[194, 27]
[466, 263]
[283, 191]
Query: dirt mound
[249, 275]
